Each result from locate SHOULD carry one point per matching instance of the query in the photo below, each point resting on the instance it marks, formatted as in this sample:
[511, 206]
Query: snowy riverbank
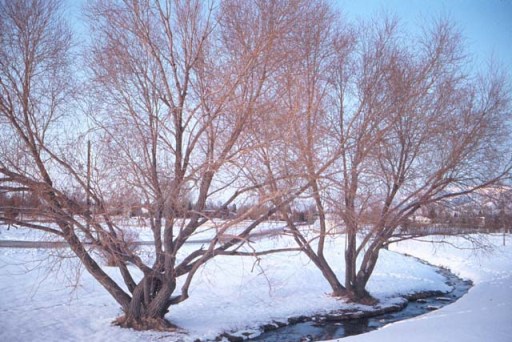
[484, 314]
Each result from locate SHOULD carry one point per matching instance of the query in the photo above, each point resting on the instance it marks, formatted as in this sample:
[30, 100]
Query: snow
[484, 314]
[43, 300]
[138, 229]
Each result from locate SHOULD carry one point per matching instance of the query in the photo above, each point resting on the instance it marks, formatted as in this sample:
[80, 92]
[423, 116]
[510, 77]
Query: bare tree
[35, 86]
[174, 87]
[416, 129]
[382, 127]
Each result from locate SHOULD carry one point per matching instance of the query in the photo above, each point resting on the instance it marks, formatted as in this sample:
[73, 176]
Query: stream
[318, 330]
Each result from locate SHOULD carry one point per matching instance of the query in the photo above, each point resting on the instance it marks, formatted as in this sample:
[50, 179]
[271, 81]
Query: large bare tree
[175, 89]
[438, 132]
[410, 126]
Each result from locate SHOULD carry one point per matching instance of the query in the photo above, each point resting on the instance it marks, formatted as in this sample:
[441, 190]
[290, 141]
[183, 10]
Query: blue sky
[486, 25]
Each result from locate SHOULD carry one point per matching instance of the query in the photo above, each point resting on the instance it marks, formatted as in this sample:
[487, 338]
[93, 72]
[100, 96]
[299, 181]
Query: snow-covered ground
[484, 314]
[138, 229]
[43, 300]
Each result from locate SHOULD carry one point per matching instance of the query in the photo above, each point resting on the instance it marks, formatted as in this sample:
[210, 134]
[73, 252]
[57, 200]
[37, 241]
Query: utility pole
[88, 201]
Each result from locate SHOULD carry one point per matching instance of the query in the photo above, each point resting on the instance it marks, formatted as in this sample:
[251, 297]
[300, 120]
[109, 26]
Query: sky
[486, 25]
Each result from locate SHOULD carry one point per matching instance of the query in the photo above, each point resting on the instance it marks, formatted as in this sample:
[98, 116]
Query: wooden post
[88, 202]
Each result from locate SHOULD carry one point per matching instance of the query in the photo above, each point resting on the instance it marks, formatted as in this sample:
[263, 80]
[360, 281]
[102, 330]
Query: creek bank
[357, 319]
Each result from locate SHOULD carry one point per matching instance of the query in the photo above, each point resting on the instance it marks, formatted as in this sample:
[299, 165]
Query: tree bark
[148, 306]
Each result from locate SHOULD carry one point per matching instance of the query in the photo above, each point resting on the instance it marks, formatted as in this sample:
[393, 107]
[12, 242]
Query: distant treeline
[27, 203]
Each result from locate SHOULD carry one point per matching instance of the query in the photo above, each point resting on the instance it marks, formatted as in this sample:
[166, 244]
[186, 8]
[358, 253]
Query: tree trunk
[148, 306]
[94, 269]
[350, 260]
[359, 294]
[357, 290]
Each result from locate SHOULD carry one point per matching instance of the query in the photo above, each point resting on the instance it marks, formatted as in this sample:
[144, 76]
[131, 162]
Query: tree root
[145, 323]
[365, 299]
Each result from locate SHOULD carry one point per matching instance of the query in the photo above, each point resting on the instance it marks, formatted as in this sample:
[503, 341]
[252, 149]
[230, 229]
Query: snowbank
[484, 314]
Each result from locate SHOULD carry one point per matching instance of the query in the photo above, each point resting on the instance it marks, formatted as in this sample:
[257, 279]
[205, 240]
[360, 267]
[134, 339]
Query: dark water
[317, 331]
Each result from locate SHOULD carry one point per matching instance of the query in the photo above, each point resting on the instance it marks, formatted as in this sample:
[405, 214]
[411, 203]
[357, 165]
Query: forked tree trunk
[149, 304]
[356, 281]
